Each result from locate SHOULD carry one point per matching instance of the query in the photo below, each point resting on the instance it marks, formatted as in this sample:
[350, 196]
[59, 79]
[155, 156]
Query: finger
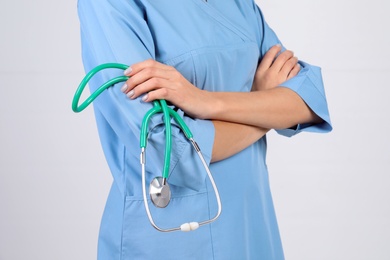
[282, 59]
[144, 75]
[269, 57]
[148, 86]
[161, 93]
[288, 66]
[150, 63]
[294, 71]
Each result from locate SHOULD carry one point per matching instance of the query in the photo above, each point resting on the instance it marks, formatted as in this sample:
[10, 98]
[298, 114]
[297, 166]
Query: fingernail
[127, 71]
[144, 98]
[124, 87]
[130, 94]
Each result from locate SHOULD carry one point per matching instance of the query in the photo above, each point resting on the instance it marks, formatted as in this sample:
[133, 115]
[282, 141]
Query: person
[224, 70]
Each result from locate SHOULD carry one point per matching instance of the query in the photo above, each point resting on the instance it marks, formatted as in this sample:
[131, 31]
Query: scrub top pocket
[186, 208]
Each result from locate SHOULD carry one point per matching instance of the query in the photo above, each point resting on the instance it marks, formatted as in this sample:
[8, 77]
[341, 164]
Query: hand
[160, 81]
[274, 70]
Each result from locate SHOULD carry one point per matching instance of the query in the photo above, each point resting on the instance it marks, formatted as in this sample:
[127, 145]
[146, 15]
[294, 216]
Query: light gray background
[331, 191]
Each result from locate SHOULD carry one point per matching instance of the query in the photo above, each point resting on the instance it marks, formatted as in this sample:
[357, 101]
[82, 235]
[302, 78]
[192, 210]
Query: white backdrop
[331, 191]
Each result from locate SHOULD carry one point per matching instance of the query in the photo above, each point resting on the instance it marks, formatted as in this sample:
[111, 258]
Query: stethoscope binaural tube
[189, 226]
[160, 196]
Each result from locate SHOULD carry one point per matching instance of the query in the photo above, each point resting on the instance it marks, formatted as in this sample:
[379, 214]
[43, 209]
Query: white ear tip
[185, 227]
[194, 225]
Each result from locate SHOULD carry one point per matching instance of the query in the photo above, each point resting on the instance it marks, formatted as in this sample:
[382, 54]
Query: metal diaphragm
[160, 193]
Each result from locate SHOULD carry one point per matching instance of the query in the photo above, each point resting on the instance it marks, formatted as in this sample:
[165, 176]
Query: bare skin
[234, 114]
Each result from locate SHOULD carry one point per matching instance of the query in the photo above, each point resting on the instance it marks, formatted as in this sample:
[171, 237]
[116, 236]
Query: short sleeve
[308, 84]
[116, 31]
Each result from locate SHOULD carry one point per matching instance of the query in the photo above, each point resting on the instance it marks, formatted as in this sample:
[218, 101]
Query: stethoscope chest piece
[159, 192]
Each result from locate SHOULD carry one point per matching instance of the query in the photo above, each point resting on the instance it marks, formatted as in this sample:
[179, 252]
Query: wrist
[214, 105]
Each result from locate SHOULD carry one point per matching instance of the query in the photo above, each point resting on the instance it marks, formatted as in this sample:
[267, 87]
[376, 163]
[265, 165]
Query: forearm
[275, 108]
[231, 138]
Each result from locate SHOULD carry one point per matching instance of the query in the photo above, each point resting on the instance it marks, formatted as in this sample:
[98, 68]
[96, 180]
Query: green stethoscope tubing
[75, 107]
[158, 107]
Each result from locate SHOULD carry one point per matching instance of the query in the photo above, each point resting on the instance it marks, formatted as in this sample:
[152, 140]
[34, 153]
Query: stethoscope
[159, 190]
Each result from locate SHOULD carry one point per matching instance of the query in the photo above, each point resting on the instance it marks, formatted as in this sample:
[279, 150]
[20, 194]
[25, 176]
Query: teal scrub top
[216, 45]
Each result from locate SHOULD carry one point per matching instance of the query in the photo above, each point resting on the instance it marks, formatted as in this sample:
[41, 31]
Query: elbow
[299, 116]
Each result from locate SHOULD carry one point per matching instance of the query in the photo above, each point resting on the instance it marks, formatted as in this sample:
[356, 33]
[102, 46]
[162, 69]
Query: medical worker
[219, 64]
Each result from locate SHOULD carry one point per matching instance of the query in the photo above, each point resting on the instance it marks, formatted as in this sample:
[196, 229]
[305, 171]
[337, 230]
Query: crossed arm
[239, 118]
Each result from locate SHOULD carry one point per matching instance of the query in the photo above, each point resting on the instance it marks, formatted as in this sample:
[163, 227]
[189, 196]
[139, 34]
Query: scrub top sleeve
[187, 169]
[107, 35]
[116, 31]
[308, 84]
